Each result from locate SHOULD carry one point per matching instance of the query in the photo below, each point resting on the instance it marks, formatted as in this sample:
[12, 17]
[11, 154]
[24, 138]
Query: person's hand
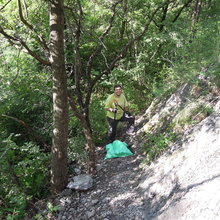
[127, 113]
[114, 110]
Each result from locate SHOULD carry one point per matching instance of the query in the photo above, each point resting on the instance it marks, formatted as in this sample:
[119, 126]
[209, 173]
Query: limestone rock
[81, 182]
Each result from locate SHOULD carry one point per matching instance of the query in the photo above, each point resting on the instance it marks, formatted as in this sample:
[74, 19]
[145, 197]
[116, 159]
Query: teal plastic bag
[117, 149]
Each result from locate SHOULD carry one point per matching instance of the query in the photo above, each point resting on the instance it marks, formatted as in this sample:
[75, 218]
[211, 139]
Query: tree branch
[39, 37]
[21, 42]
[74, 108]
[180, 11]
[165, 10]
[126, 47]
[78, 63]
[30, 131]
[18, 70]
[5, 5]
[72, 12]
[100, 46]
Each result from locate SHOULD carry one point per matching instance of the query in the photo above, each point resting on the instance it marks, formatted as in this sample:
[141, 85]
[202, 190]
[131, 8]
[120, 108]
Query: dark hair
[117, 86]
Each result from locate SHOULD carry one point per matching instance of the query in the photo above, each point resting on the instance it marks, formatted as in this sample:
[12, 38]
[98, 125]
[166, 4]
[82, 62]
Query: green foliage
[16, 204]
[25, 96]
[24, 175]
[35, 14]
[49, 210]
[202, 109]
[153, 67]
[25, 113]
[98, 120]
[198, 55]
[76, 150]
[157, 144]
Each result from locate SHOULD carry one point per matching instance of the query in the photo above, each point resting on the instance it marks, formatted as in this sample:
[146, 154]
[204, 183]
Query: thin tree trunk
[90, 147]
[195, 18]
[60, 117]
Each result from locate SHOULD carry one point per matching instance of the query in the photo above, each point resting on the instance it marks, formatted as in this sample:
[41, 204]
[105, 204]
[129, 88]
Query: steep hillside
[185, 184]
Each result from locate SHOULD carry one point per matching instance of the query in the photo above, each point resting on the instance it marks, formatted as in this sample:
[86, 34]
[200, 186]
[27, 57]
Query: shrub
[24, 176]
[156, 144]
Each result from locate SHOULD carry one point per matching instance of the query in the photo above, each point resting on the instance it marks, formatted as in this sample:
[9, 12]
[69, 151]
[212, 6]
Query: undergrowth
[156, 144]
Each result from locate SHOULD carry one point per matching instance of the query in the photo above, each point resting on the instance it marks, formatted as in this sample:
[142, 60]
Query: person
[118, 111]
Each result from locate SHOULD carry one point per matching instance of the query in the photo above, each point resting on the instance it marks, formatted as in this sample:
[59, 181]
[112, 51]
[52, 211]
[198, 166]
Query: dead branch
[31, 132]
[5, 5]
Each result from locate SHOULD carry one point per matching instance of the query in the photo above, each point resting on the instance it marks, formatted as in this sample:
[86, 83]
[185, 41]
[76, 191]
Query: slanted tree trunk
[60, 112]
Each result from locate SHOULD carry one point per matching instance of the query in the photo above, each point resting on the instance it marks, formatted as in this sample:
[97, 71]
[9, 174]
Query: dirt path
[113, 196]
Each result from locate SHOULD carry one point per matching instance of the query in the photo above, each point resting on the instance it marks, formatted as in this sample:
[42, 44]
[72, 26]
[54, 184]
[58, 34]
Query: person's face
[118, 91]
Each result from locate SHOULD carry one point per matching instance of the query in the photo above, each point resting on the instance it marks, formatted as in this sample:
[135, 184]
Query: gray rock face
[81, 182]
[186, 184]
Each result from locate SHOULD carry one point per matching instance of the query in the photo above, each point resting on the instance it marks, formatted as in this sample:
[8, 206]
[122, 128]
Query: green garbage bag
[117, 149]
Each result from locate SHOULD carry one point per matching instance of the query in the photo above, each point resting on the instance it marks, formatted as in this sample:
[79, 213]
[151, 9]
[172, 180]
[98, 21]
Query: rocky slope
[186, 183]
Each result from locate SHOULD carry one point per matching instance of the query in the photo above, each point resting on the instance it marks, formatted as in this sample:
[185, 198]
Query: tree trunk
[90, 147]
[60, 112]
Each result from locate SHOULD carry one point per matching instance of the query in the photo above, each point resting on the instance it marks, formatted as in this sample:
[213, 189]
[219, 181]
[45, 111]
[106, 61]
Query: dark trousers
[112, 125]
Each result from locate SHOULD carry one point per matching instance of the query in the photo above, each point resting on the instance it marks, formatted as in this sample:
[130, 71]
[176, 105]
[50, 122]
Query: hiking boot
[130, 132]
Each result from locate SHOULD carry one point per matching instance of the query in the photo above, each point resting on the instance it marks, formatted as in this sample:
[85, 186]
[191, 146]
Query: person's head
[117, 90]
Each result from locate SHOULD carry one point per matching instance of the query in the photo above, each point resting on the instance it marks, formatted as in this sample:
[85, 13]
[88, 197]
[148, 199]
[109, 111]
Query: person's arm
[109, 109]
[108, 105]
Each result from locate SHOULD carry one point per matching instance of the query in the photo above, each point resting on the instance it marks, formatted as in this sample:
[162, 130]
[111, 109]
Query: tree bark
[90, 147]
[60, 110]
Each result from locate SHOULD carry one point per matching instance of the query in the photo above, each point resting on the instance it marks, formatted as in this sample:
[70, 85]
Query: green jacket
[112, 102]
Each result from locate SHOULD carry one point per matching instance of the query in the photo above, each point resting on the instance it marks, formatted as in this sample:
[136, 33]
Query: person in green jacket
[118, 111]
